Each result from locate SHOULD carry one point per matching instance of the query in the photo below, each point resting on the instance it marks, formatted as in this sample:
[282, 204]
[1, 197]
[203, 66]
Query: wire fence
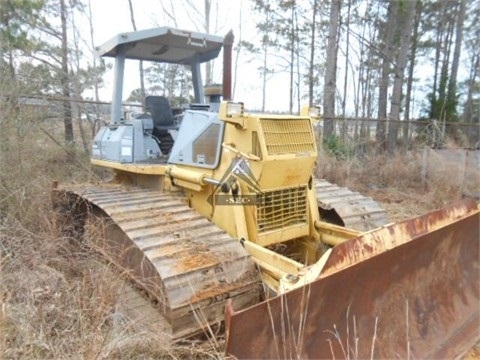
[362, 133]
[351, 134]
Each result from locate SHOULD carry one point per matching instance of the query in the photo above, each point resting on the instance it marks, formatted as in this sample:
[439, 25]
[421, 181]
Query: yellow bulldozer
[216, 214]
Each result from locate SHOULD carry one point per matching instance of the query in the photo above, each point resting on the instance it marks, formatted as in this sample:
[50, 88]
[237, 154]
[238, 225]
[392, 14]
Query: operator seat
[161, 111]
[163, 121]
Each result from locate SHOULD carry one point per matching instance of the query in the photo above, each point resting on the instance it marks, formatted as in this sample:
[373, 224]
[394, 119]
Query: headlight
[315, 111]
[232, 113]
[234, 109]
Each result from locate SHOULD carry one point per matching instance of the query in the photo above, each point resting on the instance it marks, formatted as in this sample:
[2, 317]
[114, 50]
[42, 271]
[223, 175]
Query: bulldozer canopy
[164, 44]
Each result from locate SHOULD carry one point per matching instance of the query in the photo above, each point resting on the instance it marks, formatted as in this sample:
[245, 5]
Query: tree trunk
[404, 26]
[77, 87]
[264, 75]
[311, 64]
[441, 105]
[9, 110]
[472, 80]
[387, 51]
[364, 82]
[298, 57]
[95, 84]
[345, 79]
[469, 116]
[331, 71]
[452, 85]
[445, 29]
[67, 109]
[292, 57]
[438, 48]
[411, 67]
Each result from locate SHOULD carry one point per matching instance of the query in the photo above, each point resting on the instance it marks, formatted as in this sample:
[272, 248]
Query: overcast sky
[111, 17]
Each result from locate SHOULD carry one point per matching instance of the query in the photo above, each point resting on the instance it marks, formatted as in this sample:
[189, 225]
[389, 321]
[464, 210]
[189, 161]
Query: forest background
[387, 73]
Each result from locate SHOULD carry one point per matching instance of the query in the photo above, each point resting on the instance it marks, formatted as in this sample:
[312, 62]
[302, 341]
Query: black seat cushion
[160, 109]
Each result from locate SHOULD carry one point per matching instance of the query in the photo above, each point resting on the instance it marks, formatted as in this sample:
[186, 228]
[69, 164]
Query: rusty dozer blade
[407, 290]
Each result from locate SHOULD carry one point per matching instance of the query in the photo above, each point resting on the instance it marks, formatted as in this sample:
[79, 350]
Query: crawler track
[355, 210]
[186, 263]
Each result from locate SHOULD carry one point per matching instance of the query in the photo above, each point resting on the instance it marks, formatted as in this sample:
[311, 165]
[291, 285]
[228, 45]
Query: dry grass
[60, 301]
[406, 185]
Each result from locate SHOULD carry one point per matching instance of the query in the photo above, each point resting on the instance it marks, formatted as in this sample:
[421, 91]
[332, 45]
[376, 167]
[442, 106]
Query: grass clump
[59, 299]
[407, 184]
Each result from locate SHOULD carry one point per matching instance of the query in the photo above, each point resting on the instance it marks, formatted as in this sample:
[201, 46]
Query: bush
[334, 146]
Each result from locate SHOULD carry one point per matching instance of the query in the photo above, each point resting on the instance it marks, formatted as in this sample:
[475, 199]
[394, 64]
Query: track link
[354, 210]
[186, 263]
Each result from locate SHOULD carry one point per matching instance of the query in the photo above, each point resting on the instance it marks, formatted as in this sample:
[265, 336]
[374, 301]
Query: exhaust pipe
[227, 65]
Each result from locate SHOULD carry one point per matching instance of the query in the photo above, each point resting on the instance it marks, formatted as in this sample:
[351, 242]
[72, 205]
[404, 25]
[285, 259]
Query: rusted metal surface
[409, 290]
[181, 259]
[355, 210]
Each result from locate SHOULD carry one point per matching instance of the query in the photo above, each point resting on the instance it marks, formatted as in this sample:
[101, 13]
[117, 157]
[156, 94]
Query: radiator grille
[282, 208]
[288, 136]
